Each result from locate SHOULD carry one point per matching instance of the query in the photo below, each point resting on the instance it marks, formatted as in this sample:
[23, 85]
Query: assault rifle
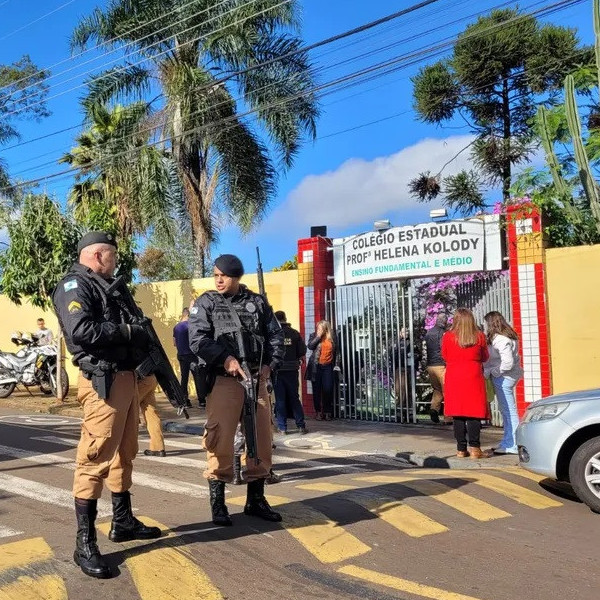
[156, 362]
[250, 385]
[263, 293]
[261, 277]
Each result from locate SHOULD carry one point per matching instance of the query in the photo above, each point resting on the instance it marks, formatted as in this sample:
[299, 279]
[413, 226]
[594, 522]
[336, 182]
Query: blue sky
[346, 179]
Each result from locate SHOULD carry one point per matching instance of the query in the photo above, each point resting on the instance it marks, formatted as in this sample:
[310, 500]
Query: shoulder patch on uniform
[74, 307]
[194, 310]
[70, 285]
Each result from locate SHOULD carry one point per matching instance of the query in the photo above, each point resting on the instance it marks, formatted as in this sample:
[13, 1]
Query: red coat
[464, 385]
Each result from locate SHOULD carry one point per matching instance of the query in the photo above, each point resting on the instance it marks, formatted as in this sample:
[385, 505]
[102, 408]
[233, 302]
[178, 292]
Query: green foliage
[566, 220]
[222, 161]
[502, 66]
[22, 92]
[288, 265]
[164, 260]
[43, 245]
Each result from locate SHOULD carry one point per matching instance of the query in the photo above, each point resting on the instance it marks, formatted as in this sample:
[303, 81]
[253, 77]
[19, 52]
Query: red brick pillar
[528, 294]
[315, 275]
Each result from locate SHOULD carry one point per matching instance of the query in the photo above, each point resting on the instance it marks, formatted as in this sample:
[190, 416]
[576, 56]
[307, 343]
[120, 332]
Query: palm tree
[120, 173]
[201, 54]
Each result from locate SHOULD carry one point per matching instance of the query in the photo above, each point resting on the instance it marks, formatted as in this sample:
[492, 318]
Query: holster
[100, 374]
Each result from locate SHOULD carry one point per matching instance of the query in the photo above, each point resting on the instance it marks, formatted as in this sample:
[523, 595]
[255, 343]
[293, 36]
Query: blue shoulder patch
[70, 285]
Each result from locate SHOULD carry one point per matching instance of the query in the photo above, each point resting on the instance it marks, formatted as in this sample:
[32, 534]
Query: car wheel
[584, 473]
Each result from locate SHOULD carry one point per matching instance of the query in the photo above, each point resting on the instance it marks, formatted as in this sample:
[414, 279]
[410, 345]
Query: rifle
[259, 274]
[156, 362]
[250, 385]
[263, 293]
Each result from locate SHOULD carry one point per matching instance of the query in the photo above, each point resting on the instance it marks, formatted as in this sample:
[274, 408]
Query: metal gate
[374, 329]
[380, 329]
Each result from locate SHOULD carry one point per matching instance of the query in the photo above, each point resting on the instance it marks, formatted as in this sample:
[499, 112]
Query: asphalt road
[353, 528]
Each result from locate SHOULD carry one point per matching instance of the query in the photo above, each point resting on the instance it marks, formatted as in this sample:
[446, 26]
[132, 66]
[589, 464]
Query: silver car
[559, 437]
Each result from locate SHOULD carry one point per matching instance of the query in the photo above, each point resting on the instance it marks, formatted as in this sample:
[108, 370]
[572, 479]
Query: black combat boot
[87, 556]
[220, 514]
[237, 470]
[125, 526]
[256, 503]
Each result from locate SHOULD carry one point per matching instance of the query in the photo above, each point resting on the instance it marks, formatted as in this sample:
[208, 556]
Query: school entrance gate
[380, 329]
[372, 299]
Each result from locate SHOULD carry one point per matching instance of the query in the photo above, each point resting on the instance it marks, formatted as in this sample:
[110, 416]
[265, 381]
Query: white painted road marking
[42, 492]
[151, 481]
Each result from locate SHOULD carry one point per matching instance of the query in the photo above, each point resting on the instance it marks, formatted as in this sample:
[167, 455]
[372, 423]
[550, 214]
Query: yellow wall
[162, 302]
[573, 281]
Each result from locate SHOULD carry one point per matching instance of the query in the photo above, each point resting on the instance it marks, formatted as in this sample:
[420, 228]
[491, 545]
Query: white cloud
[361, 190]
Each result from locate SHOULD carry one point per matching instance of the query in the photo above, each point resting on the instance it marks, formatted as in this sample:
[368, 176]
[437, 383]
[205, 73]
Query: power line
[5, 37]
[158, 43]
[119, 48]
[107, 43]
[391, 65]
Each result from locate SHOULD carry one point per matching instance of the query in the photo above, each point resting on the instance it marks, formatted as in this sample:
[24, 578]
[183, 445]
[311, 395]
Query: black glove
[136, 334]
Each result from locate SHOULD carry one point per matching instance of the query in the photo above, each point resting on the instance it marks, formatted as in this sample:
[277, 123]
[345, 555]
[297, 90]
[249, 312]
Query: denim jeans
[323, 389]
[505, 393]
[287, 399]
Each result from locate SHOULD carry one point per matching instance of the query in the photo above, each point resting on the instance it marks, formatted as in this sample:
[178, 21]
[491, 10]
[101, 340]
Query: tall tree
[501, 68]
[124, 185]
[22, 96]
[43, 245]
[203, 55]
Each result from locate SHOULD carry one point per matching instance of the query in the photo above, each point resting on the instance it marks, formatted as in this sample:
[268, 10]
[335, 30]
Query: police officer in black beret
[212, 338]
[107, 348]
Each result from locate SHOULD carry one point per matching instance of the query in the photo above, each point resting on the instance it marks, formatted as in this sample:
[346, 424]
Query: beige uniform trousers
[147, 397]
[109, 437]
[436, 378]
[223, 412]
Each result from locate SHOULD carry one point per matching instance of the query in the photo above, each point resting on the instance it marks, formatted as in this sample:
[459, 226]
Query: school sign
[424, 250]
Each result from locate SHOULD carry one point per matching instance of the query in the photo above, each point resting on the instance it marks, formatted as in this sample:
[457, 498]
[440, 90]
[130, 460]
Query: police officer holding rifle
[113, 345]
[235, 332]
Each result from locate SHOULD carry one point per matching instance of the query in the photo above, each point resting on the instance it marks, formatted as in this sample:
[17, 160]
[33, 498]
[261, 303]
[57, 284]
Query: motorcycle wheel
[64, 381]
[7, 389]
[45, 387]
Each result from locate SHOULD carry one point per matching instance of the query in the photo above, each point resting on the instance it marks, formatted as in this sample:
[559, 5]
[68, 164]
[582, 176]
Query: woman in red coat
[464, 348]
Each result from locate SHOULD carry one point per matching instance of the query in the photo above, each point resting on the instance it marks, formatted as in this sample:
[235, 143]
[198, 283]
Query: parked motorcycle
[32, 365]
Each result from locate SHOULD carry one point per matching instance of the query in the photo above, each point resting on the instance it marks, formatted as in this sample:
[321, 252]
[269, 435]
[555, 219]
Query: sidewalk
[426, 445]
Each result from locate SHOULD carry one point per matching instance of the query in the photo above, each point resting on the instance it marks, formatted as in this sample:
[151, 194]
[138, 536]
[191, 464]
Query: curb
[432, 461]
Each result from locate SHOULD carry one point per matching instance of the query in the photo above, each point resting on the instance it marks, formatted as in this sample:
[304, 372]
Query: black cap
[280, 316]
[230, 265]
[96, 237]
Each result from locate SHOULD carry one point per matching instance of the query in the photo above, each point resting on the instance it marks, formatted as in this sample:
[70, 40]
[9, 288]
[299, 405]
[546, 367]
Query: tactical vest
[250, 312]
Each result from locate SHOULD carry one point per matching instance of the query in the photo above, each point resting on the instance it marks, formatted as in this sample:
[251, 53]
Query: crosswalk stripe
[515, 492]
[402, 517]
[322, 537]
[8, 532]
[23, 553]
[150, 481]
[326, 487]
[470, 506]
[293, 463]
[523, 473]
[402, 585]
[166, 573]
[43, 492]
[46, 587]
[178, 461]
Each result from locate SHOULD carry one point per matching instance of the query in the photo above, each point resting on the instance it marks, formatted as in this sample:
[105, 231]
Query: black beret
[280, 316]
[96, 237]
[230, 265]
